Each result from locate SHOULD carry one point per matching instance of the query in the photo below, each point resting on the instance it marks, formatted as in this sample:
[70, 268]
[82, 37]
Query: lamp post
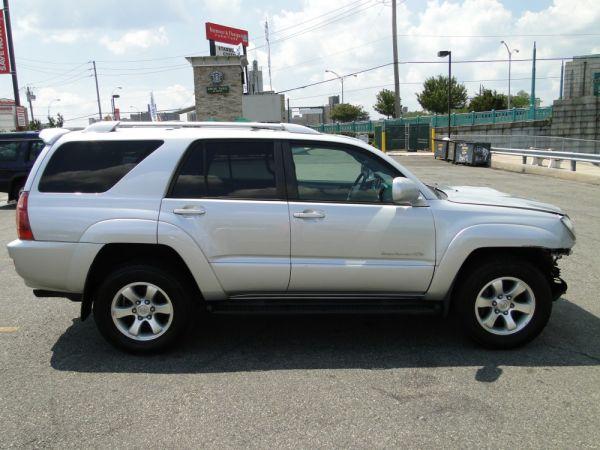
[443, 54]
[509, 64]
[341, 80]
[50, 104]
[112, 99]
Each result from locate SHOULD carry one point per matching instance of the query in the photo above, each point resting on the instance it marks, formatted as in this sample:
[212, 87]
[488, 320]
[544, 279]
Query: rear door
[229, 196]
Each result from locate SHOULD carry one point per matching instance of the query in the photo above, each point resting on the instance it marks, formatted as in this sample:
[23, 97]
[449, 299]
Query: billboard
[227, 35]
[4, 62]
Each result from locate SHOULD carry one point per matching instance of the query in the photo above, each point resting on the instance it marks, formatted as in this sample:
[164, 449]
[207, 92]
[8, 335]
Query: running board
[363, 305]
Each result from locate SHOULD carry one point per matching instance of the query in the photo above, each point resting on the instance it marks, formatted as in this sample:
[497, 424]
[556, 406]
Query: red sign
[4, 63]
[227, 35]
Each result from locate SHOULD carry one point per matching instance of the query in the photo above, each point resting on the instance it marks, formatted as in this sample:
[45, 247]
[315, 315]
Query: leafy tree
[521, 100]
[34, 125]
[487, 100]
[385, 103]
[434, 97]
[56, 122]
[345, 112]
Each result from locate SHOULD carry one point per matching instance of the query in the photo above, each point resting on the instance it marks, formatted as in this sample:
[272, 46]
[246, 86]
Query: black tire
[483, 274]
[174, 287]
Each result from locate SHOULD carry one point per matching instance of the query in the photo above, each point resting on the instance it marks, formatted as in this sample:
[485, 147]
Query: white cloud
[136, 39]
[223, 6]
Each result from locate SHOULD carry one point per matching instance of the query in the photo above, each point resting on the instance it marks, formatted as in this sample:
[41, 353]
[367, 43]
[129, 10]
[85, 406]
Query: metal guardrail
[532, 142]
[554, 156]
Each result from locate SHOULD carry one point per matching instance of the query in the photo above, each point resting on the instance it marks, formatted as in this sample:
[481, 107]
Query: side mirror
[404, 191]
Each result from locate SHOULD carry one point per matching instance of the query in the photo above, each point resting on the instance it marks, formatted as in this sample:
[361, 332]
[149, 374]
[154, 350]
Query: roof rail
[51, 135]
[109, 126]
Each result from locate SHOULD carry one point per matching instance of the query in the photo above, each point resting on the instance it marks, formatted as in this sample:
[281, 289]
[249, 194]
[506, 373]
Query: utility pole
[397, 109]
[11, 54]
[97, 91]
[30, 97]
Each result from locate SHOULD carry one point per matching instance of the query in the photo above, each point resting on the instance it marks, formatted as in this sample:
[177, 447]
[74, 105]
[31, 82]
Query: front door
[346, 234]
[229, 197]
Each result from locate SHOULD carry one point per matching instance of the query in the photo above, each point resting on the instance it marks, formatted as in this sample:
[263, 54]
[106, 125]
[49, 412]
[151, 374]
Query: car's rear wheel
[504, 304]
[142, 308]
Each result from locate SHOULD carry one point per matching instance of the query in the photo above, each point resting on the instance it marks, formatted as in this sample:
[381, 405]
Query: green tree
[434, 96]
[345, 112]
[521, 100]
[56, 122]
[487, 100]
[34, 125]
[385, 103]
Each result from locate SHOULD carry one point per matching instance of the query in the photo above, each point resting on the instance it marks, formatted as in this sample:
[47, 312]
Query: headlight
[567, 222]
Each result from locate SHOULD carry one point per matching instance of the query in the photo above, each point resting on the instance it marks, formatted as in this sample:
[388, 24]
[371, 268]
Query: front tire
[504, 304]
[142, 308]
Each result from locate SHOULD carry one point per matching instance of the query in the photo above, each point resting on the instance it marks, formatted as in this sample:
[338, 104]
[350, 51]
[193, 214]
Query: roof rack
[109, 126]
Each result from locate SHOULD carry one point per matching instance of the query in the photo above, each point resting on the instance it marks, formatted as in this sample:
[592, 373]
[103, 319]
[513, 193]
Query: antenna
[268, 52]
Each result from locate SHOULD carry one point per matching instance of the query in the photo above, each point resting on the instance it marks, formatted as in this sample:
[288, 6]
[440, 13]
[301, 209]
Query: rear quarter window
[93, 166]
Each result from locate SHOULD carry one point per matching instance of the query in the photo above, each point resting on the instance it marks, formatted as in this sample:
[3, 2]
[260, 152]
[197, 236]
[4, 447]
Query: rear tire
[142, 308]
[504, 304]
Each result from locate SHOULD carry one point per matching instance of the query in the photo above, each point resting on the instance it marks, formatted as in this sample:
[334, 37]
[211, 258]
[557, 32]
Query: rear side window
[9, 151]
[223, 169]
[93, 166]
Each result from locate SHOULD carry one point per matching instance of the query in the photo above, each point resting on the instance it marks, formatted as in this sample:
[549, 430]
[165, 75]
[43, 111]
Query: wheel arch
[117, 254]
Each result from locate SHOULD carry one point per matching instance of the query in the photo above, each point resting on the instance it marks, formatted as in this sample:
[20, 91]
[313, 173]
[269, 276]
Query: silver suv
[149, 224]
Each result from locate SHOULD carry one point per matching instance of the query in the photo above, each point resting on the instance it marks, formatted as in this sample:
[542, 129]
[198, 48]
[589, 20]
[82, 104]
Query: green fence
[472, 118]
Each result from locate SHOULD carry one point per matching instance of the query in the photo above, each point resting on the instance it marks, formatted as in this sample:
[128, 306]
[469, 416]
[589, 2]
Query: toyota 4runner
[147, 223]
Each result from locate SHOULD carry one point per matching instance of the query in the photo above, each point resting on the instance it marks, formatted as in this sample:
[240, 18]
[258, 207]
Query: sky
[140, 45]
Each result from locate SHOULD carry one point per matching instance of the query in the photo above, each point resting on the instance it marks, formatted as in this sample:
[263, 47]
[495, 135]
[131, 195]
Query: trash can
[440, 149]
[452, 150]
[473, 154]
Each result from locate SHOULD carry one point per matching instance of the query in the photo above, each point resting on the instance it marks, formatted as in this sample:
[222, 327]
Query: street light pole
[509, 68]
[341, 80]
[397, 110]
[443, 54]
[112, 99]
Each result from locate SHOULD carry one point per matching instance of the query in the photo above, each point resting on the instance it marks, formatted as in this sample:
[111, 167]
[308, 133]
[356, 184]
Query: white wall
[263, 108]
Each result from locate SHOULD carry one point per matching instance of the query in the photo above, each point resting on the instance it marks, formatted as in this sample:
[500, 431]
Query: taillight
[23, 228]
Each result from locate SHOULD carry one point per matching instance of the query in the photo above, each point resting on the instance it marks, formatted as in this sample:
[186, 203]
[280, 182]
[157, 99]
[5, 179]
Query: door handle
[189, 211]
[309, 214]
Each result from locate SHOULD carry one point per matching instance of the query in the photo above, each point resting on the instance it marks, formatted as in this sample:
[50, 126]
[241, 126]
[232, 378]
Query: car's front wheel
[142, 308]
[504, 304]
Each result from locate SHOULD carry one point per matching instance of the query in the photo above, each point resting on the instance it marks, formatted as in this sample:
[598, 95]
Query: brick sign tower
[219, 78]
[218, 86]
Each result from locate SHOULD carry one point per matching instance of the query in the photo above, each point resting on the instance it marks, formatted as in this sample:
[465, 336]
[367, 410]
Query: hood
[491, 197]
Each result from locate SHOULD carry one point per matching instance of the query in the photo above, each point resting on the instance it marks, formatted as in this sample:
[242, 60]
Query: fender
[121, 231]
[483, 236]
[194, 258]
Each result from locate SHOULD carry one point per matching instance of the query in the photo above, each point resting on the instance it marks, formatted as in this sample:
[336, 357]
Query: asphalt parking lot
[310, 382]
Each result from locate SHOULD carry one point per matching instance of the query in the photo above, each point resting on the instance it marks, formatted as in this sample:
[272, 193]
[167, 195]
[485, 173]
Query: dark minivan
[18, 152]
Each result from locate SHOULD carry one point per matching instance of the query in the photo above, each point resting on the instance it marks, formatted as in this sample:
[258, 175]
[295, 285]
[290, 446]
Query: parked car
[152, 225]
[18, 152]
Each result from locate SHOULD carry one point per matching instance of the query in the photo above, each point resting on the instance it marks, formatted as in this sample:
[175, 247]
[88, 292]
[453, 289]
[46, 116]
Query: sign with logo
[221, 50]
[4, 62]
[216, 78]
[227, 35]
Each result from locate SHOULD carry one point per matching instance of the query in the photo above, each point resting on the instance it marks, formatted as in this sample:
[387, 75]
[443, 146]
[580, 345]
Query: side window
[9, 151]
[228, 169]
[93, 166]
[34, 150]
[335, 174]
